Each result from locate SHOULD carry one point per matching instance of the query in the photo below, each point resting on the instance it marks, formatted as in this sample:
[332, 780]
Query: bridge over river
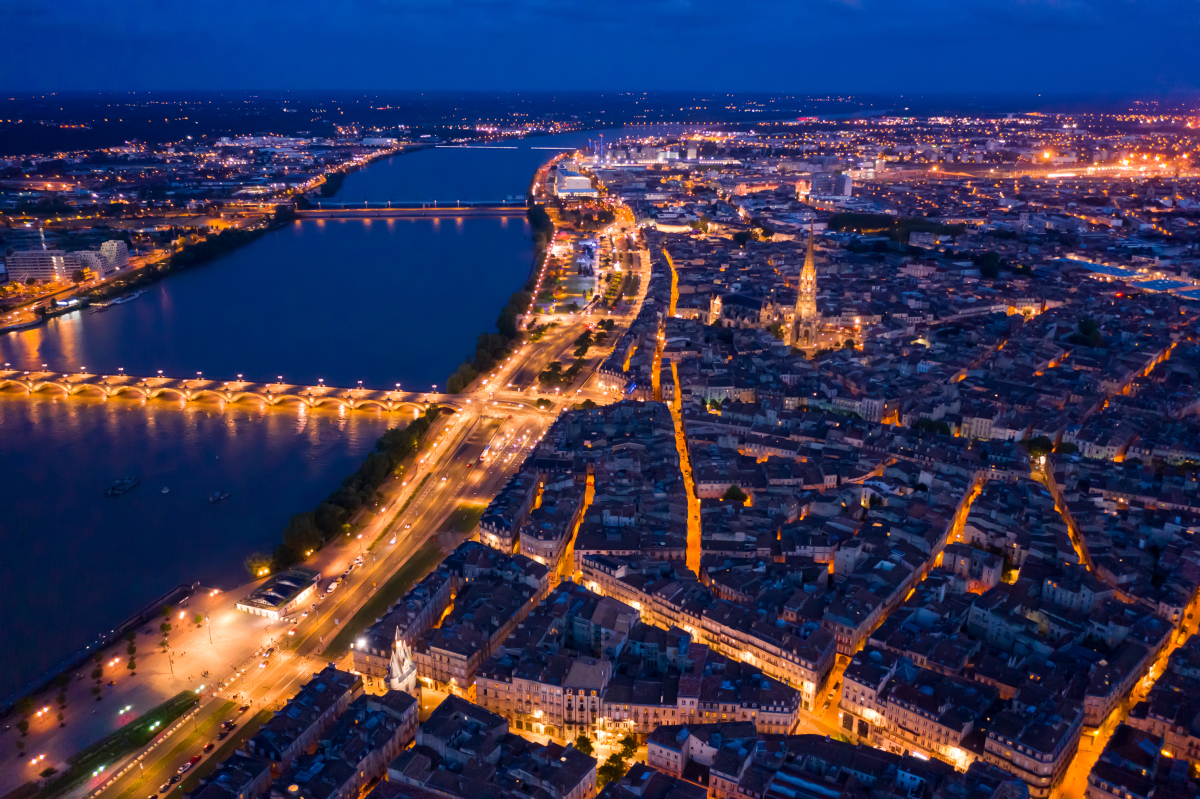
[200, 388]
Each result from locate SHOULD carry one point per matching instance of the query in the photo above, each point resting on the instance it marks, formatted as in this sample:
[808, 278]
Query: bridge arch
[24, 384]
[279, 399]
[49, 384]
[160, 391]
[383, 405]
[129, 390]
[82, 387]
[214, 392]
[316, 402]
[238, 396]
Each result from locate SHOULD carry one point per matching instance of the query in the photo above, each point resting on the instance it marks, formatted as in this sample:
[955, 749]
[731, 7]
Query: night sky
[1107, 47]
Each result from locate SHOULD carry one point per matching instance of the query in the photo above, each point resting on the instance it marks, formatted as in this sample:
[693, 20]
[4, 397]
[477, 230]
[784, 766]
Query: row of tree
[491, 347]
[207, 249]
[896, 228]
[307, 532]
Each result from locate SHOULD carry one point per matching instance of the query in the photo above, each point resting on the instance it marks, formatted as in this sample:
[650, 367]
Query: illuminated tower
[806, 319]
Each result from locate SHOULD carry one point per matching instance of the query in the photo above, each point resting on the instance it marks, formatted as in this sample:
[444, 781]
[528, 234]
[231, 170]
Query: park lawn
[423, 561]
[465, 517]
[118, 744]
[161, 771]
[191, 782]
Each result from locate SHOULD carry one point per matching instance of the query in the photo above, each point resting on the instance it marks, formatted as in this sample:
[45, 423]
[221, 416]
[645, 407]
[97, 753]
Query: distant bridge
[229, 391]
[518, 204]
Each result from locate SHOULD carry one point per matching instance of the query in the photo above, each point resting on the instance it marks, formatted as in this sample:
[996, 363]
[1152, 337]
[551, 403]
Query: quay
[46, 383]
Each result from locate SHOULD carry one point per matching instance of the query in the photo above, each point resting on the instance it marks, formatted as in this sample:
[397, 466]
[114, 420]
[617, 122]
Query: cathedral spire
[806, 315]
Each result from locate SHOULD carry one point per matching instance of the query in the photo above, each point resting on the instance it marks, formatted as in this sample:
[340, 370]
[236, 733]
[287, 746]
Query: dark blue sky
[1110, 47]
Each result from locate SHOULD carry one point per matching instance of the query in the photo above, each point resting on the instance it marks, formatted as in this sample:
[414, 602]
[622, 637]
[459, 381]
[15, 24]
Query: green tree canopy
[734, 494]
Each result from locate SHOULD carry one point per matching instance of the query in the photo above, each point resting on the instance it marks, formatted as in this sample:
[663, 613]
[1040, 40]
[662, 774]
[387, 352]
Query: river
[381, 301]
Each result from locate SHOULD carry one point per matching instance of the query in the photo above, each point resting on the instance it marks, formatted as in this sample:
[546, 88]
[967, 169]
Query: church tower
[807, 319]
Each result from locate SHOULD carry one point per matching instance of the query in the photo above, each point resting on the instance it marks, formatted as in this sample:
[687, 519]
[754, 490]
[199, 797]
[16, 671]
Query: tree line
[491, 347]
[307, 532]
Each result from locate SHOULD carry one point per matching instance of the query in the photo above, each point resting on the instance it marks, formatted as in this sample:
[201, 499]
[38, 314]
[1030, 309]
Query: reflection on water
[104, 557]
[382, 301]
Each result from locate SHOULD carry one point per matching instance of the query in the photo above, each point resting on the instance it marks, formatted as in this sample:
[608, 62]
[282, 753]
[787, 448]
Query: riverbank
[286, 304]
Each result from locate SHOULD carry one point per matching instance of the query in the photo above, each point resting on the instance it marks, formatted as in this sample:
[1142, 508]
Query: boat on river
[218, 496]
[122, 486]
[127, 298]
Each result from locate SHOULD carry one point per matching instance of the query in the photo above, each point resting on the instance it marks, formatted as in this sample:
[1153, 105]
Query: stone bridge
[229, 391]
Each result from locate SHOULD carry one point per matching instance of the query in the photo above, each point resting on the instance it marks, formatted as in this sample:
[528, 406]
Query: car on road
[208, 747]
[184, 768]
[292, 631]
[166, 786]
[174, 779]
[228, 724]
[243, 708]
[221, 735]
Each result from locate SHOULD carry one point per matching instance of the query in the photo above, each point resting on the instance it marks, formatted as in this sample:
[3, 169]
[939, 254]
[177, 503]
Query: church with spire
[806, 321]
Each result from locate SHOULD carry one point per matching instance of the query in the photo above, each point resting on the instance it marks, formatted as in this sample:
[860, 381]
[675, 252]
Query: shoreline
[163, 269]
[151, 273]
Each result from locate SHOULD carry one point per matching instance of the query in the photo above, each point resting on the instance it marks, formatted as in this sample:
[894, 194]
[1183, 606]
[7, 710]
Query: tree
[78, 276]
[165, 627]
[96, 692]
[258, 564]
[49, 771]
[1089, 333]
[734, 494]
[613, 769]
[584, 744]
[23, 726]
[741, 237]
[132, 666]
[198, 619]
[989, 265]
[97, 673]
[932, 426]
[61, 723]
[1039, 446]
[131, 650]
[628, 747]
[1066, 448]
[61, 699]
[25, 705]
[167, 611]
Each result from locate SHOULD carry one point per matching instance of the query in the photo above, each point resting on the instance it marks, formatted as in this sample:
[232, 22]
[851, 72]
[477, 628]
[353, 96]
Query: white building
[88, 259]
[38, 264]
[117, 255]
[573, 184]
